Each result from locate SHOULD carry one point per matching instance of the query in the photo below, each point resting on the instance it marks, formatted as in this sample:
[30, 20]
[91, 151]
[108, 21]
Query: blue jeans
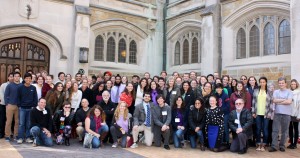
[96, 141]
[261, 124]
[24, 123]
[199, 134]
[40, 137]
[178, 137]
[226, 128]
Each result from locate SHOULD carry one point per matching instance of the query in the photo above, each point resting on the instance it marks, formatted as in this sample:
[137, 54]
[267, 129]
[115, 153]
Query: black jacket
[185, 118]
[245, 121]
[109, 110]
[196, 119]
[56, 120]
[89, 95]
[81, 115]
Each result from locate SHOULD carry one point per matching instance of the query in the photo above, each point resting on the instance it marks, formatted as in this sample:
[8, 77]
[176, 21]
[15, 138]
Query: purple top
[153, 96]
[180, 116]
[123, 123]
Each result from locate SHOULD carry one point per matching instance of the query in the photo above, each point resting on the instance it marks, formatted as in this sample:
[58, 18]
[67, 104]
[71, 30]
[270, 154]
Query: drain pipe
[164, 66]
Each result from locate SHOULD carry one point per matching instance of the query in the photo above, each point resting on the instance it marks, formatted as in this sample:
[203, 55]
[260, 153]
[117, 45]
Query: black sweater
[109, 110]
[81, 115]
[38, 118]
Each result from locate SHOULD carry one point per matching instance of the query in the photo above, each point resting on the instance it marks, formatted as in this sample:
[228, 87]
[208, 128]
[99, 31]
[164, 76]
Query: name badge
[174, 92]
[164, 113]
[44, 112]
[62, 119]
[177, 120]
[237, 121]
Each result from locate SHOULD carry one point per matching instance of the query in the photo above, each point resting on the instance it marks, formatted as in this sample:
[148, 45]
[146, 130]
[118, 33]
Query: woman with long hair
[241, 92]
[75, 97]
[233, 85]
[95, 124]
[108, 86]
[197, 123]
[67, 89]
[128, 96]
[55, 98]
[39, 86]
[98, 90]
[121, 125]
[154, 91]
[214, 126]
[261, 112]
[206, 93]
[187, 94]
[295, 117]
[141, 89]
[179, 122]
[47, 86]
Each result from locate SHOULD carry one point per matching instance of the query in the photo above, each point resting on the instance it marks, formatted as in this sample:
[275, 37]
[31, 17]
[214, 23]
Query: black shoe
[167, 147]
[282, 149]
[290, 146]
[67, 142]
[202, 147]
[272, 149]
[243, 151]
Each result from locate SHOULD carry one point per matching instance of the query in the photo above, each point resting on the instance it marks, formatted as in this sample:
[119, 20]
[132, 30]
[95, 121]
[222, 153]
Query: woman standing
[108, 85]
[171, 92]
[154, 91]
[206, 93]
[95, 124]
[62, 122]
[261, 111]
[295, 117]
[75, 97]
[241, 92]
[55, 98]
[214, 125]
[233, 85]
[128, 96]
[39, 86]
[67, 89]
[179, 122]
[141, 89]
[197, 123]
[98, 90]
[271, 89]
[251, 85]
[187, 94]
[121, 125]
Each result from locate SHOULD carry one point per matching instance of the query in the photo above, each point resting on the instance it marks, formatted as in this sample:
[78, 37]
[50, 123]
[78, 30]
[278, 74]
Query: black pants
[269, 142]
[294, 132]
[157, 134]
[116, 133]
[2, 119]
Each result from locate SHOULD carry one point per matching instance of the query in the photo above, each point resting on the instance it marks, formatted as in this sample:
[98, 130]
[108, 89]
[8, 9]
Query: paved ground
[13, 150]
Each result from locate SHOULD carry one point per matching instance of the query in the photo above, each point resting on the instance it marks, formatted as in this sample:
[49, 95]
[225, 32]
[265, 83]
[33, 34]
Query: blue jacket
[27, 96]
[11, 94]
[223, 102]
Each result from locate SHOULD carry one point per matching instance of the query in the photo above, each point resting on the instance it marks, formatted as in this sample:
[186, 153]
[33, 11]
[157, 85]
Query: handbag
[87, 142]
[129, 142]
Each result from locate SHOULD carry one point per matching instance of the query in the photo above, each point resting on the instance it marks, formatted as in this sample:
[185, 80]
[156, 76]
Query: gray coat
[174, 93]
[139, 116]
[158, 118]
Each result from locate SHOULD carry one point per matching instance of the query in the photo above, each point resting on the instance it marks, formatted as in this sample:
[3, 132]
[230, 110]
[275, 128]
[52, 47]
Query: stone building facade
[235, 37]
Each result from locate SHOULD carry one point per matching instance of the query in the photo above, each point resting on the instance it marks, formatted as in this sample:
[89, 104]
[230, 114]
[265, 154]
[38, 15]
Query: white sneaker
[134, 145]
[115, 145]
[20, 141]
[34, 143]
[28, 140]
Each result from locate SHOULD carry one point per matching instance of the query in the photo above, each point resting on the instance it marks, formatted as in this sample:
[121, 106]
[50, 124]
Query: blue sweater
[11, 94]
[27, 96]
[223, 102]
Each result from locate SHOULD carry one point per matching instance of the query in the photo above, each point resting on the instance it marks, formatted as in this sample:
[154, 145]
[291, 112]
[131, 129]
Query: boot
[102, 137]
[67, 141]
[202, 147]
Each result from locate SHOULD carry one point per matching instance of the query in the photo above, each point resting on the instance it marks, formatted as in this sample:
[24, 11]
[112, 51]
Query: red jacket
[127, 98]
[234, 96]
[46, 87]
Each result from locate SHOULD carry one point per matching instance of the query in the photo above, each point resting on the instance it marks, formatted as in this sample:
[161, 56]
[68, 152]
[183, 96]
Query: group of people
[164, 109]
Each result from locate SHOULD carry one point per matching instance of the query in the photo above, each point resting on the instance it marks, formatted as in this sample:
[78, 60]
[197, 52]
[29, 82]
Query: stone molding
[246, 13]
[13, 31]
[182, 26]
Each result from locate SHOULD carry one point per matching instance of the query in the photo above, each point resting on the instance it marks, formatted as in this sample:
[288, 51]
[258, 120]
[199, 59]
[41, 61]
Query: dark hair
[10, 74]
[27, 75]
[163, 72]
[161, 78]
[155, 77]
[157, 86]
[282, 79]
[219, 85]
[297, 83]
[206, 84]
[182, 90]
[160, 96]
[66, 103]
[248, 83]
[94, 77]
[202, 108]
[15, 73]
[78, 74]
[263, 78]
[135, 76]
[132, 92]
[211, 76]
[233, 88]
[146, 87]
[243, 95]
[92, 112]
[182, 108]
[148, 93]
[60, 74]
[244, 76]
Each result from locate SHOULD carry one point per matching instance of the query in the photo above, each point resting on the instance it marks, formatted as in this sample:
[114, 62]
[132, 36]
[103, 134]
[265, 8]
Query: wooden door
[25, 53]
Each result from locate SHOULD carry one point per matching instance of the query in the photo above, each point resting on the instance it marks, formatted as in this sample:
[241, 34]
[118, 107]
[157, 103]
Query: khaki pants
[147, 132]
[12, 111]
[79, 131]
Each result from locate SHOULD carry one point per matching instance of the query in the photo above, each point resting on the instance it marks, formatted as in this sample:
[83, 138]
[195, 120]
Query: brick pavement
[13, 150]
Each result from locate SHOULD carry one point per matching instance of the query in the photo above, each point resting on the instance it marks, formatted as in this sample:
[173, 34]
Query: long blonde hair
[117, 112]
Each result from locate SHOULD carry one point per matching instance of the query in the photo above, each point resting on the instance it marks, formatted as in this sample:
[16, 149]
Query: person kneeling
[240, 122]
[95, 125]
[41, 124]
[121, 125]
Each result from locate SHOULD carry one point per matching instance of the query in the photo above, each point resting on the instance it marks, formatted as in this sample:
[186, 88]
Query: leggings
[294, 132]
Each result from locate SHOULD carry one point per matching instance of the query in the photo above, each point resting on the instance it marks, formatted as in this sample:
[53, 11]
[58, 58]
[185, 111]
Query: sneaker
[134, 145]
[20, 141]
[258, 147]
[7, 139]
[263, 148]
[34, 143]
[115, 145]
[28, 140]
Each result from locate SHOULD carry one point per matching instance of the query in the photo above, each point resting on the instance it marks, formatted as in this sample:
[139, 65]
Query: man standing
[117, 89]
[240, 123]
[87, 93]
[61, 77]
[27, 97]
[2, 104]
[41, 124]
[282, 115]
[142, 121]
[11, 101]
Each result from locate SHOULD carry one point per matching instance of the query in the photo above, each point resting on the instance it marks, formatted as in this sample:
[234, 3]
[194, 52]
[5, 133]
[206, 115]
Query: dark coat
[245, 121]
[56, 120]
[196, 119]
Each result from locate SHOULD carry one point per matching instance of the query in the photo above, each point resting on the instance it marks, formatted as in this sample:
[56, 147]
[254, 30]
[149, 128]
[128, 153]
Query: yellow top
[261, 102]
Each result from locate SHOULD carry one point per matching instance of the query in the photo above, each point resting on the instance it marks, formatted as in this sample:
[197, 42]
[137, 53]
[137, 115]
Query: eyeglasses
[68, 107]
[239, 103]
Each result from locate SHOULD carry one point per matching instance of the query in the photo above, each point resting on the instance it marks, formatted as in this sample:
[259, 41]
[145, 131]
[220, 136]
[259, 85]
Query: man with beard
[117, 89]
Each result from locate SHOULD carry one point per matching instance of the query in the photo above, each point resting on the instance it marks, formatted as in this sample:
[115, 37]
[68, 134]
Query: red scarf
[98, 122]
